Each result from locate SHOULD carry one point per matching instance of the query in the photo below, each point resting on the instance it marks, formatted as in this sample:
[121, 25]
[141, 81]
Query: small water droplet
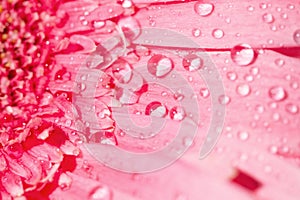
[268, 18]
[187, 141]
[203, 9]
[101, 193]
[64, 181]
[250, 8]
[276, 116]
[291, 6]
[243, 54]
[292, 108]
[243, 135]
[122, 71]
[98, 24]
[177, 113]
[277, 93]
[259, 108]
[248, 77]
[156, 109]
[231, 76]
[296, 36]
[243, 89]
[224, 100]
[192, 62]
[279, 62]
[217, 33]
[204, 93]
[196, 32]
[263, 5]
[159, 65]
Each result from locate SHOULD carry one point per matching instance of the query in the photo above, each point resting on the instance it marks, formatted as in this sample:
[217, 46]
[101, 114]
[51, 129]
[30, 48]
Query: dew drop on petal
[204, 93]
[279, 62]
[196, 32]
[101, 193]
[268, 18]
[192, 62]
[177, 113]
[64, 181]
[243, 54]
[15, 150]
[243, 89]
[217, 33]
[156, 109]
[296, 36]
[243, 135]
[122, 71]
[159, 65]
[292, 108]
[277, 93]
[224, 99]
[231, 76]
[203, 9]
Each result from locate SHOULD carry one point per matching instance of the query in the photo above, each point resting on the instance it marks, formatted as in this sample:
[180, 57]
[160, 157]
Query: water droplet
[277, 93]
[250, 8]
[159, 65]
[217, 33]
[276, 116]
[177, 113]
[98, 24]
[122, 71]
[196, 32]
[156, 109]
[243, 89]
[187, 141]
[259, 108]
[101, 193]
[15, 150]
[291, 6]
[231, 76]
[263, 5]
[203, 9]
[204, 93]
[243, 54]
[130, 27]
[292, 108]
[192, 62]
[248, 77]
[224, 100]
[268, 18]
[178, 96]
[279, 62]
[243, 135]
[296, 36]
[64, 181]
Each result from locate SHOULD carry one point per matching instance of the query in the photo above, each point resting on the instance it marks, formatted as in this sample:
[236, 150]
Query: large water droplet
[268, 18]
[292, 108]
[160, 65]
[217, 33]
[15, 150]
[203, 9]
[277, 93]
[243, 89]
[177, 113]
[130, 27]
[101, 193]
[243, 54]
[156, 109]
[122, 71]
[192, 62]
[296, 36]
[224, 99]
